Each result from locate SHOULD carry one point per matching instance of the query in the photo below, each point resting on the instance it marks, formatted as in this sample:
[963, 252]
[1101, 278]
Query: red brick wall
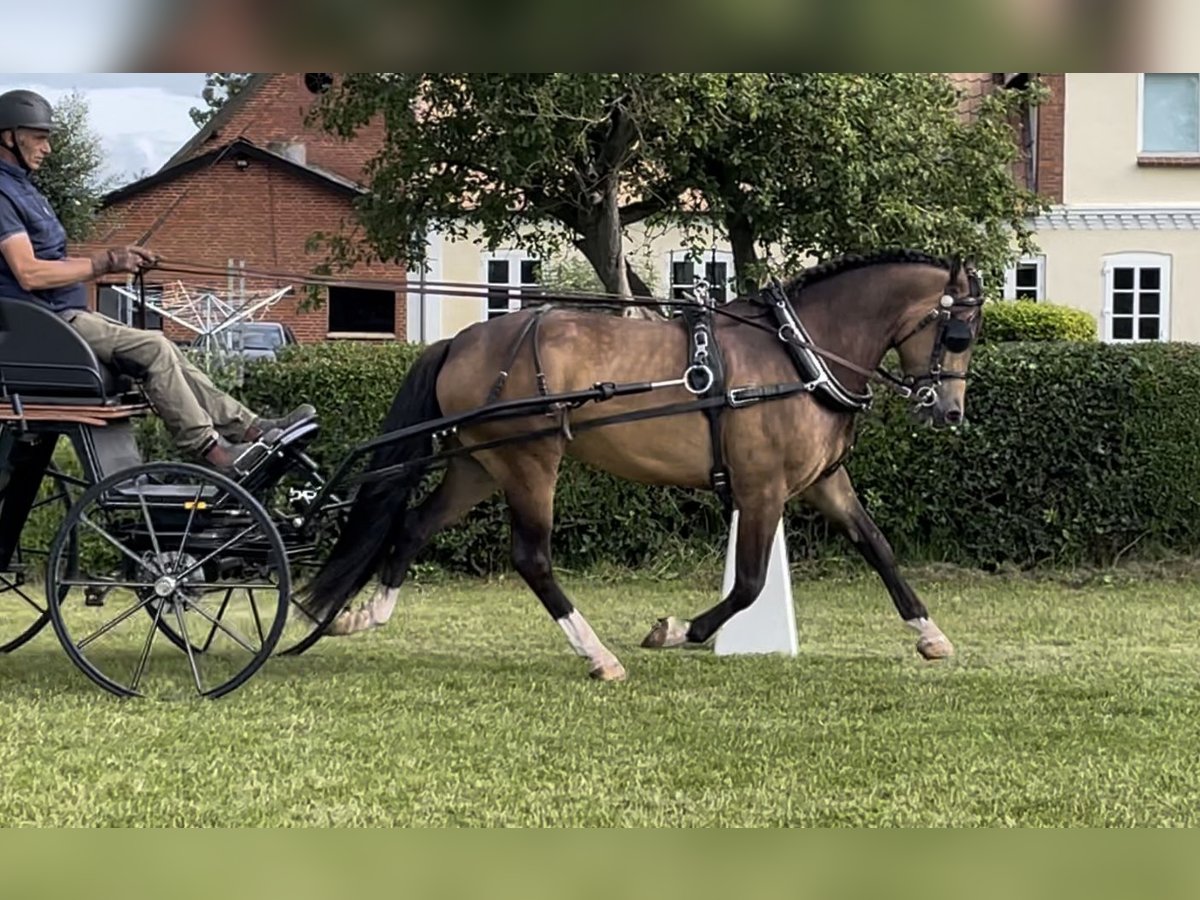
[1050, 137]
[263, 214]
[275, 111]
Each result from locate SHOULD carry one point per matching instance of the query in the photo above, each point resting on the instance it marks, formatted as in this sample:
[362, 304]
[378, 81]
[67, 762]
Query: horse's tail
[363, 540]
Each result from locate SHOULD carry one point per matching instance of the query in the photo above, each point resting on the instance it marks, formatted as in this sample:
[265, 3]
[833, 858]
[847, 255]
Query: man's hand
[123, 259]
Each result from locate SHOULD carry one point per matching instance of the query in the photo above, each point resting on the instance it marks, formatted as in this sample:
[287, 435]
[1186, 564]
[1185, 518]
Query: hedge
[1073, 452]
[1029, 320]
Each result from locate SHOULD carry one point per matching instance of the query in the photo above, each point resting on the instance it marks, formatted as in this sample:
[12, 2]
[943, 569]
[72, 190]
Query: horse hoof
[613, 671]
[938, 647]
[350, 622]
[668, 632]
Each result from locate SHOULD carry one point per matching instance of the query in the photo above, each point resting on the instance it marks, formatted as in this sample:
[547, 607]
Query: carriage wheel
[169, 544]
[287, 499]
[23, 608]
[290, 499]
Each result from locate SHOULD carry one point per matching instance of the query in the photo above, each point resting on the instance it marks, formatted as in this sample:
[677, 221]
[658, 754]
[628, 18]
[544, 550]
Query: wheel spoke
[158, 557]
[187, 529]
[257, 618]
[109, 626]
[145, 657]
[112, 540]
[94, 583]
[187, 646]
[228, 629]
[225, 546]
[212, 631]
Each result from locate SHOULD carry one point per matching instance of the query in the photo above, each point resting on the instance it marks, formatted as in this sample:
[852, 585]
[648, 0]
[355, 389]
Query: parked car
[250, 340]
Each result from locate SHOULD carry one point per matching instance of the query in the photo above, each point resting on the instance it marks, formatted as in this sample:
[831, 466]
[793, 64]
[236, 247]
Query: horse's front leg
[757, 523]
[835, 497]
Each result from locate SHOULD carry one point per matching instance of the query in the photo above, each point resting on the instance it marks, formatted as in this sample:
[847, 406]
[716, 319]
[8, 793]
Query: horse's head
[936, 337]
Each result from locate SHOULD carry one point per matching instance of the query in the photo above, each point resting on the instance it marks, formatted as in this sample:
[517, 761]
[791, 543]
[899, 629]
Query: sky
[141, 118]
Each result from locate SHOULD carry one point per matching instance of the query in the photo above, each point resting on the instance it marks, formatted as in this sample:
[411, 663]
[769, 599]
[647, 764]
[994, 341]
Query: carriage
[164, 555]
[159, 578]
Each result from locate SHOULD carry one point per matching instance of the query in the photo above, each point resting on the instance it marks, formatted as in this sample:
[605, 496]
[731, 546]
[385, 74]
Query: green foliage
[823, 164]
[1074, 452]
[816, 164]
[219, 88]
[69, 177]
[1026, 320]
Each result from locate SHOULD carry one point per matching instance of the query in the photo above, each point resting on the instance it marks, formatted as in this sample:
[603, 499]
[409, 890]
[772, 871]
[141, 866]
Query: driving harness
[705, 374]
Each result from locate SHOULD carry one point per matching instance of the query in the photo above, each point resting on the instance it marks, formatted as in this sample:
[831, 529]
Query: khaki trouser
[190, 405]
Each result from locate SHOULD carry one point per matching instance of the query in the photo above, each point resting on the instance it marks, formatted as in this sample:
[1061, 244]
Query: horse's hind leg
[757, 524]
[465, 485]
[835, 497]
[529, 487]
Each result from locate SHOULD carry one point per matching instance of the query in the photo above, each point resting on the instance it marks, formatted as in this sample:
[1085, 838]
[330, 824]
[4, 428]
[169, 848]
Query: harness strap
[502, 378]
[708, 362]
[745, 395]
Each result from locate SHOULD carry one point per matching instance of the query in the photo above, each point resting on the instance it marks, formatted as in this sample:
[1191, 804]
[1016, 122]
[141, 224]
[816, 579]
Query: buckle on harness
[743, 396]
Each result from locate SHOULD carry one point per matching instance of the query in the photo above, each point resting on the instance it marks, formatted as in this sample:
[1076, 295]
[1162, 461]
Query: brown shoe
[238, 459]
[260, 426]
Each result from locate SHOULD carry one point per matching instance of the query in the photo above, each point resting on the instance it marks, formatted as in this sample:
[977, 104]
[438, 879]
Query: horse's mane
[850, 261]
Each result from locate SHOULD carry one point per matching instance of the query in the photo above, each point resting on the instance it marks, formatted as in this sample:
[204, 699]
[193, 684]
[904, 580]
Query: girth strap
[706, 379]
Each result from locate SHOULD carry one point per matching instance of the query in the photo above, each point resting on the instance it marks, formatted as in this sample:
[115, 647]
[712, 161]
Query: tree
[69, 176]
[219, 88]
[822, 164]
[802, 164]
[535, 161]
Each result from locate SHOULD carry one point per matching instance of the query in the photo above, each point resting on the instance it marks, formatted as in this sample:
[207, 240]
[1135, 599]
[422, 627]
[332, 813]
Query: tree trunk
[603, 245]
[747, 279]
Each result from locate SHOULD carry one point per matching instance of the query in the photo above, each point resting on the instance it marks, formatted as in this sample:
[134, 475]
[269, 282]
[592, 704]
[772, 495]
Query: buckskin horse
[763, 411]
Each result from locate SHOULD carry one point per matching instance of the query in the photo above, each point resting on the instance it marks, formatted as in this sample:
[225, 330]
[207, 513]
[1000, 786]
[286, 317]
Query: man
[34, 266]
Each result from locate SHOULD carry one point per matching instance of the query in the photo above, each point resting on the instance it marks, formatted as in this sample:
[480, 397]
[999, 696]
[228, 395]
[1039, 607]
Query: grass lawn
[1066, 705]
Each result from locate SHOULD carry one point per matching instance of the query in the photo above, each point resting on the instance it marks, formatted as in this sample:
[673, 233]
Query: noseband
[954, 335]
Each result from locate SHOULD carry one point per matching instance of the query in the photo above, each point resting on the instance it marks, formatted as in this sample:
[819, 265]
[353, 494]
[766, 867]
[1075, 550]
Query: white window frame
[515, 288]
[424, 309]
[1010, 277]
[1144, 260]
[701, 260]
[1141, 122]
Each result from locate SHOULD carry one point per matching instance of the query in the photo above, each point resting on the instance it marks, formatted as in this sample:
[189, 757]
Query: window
[713, 266]
[112, 303]
[1026, 280]
[358, 311]
[1137, 292]
[1170, 122]
[512, 278]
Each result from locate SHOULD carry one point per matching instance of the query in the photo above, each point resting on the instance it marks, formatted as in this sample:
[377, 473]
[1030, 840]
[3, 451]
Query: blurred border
[1036, 35]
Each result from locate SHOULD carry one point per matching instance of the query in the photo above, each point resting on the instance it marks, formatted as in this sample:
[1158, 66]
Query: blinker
[956, 336]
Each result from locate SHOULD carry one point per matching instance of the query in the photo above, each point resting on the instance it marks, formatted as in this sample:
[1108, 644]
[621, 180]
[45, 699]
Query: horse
[850, 311]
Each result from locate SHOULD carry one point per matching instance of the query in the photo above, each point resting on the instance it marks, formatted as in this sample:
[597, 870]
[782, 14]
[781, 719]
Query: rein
[791, 332]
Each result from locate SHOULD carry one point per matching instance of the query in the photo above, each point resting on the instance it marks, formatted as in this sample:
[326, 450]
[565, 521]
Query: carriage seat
[44, 359]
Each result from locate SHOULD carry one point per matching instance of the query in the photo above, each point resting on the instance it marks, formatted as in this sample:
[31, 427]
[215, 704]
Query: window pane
[1122, 329]
[358, 309]
[1148, 303]
[1123, 303]
[1148, 328]
[1171, 113]
[530, 271]
[497, 271]
[1027, 275]
[1123, 279]
[1027, 293]
[683, 273]
[1148, 279]
[497, 303]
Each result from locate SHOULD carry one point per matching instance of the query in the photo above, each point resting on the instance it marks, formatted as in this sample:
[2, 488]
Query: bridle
[954, 335]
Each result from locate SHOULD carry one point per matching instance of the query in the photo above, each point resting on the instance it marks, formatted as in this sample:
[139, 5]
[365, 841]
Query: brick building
[252, 187]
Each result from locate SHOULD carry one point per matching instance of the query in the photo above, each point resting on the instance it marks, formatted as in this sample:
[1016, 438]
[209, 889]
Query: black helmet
[24, 109]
